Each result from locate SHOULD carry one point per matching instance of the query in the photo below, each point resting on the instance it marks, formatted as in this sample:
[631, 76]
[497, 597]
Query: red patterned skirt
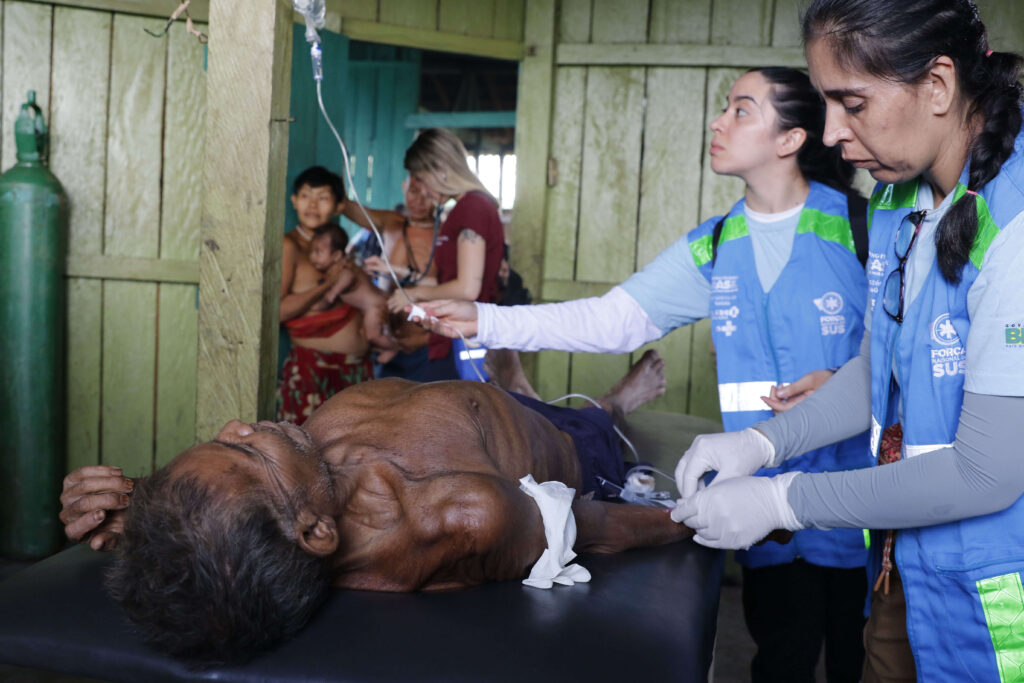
[310, 377]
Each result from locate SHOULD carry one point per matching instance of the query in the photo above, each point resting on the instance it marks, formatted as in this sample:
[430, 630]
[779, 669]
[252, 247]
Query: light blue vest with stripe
[965, 604]
[811, 319]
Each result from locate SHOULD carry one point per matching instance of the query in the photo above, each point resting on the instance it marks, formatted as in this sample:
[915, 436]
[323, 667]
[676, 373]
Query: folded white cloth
[555, 502]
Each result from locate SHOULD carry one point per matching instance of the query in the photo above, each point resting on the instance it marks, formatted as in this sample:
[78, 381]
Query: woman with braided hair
[916, 96]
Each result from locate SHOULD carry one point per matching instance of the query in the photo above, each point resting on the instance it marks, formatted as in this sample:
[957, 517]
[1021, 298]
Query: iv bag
[313, 11]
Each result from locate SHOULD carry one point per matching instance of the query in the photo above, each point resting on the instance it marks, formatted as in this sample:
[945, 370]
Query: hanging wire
[190, 27]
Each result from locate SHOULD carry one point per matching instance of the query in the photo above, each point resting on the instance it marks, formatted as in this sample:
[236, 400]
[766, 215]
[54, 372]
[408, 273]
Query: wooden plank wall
[483, 27]
[126, 116]
[501, 19]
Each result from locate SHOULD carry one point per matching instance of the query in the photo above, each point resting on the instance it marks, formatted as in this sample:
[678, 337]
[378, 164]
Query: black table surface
[647, 613]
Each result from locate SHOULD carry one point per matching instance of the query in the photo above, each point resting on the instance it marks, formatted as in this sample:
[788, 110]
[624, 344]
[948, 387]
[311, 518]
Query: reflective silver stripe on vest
[735, 397]
[909, 451]
[876, 435]
[475, 354]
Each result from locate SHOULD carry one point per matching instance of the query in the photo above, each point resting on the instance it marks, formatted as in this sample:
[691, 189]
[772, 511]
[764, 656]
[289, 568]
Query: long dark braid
[900, 40]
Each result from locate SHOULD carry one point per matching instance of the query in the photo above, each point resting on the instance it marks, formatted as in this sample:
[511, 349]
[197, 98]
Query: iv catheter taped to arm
[555, 502]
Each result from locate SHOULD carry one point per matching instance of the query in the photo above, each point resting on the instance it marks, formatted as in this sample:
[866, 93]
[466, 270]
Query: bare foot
[644, 381]
[506, 372]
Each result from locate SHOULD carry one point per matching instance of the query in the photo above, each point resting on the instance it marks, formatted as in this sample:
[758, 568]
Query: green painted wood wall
[126, 115]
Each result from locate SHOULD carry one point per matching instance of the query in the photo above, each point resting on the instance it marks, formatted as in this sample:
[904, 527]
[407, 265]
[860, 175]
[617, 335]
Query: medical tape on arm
[554, 499]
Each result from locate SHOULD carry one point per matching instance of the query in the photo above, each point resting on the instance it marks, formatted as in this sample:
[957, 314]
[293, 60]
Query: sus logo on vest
[950, 358]
[831, 304]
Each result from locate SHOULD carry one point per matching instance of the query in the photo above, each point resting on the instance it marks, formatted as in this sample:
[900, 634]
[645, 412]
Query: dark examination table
[647, 614]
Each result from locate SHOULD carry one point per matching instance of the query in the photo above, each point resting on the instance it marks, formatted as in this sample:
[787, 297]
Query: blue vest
[965, 604]
[811, 319]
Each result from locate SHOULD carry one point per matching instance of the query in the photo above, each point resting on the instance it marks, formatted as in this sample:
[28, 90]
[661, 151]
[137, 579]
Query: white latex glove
[732, 454]
[739, 512]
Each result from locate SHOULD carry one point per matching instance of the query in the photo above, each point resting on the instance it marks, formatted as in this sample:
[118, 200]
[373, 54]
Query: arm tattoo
[470, 236]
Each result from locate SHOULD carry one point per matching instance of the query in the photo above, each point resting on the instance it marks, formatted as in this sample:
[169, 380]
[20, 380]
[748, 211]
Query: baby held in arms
[353, 289]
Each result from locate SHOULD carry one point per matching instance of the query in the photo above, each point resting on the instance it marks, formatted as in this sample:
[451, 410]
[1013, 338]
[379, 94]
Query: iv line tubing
[373, 227]
[636, 456]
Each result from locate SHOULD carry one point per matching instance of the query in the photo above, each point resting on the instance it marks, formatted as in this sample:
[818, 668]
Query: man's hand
[453, 316]
[737, 513]
[784, 398]
[93, 503]
[732, 454]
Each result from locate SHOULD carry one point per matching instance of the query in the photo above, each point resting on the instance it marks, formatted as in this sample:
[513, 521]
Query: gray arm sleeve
[980, 474]
[839, 409]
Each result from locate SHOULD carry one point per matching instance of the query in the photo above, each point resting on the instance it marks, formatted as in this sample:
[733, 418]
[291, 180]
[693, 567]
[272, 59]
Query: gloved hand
[739, 512]
[732, 454]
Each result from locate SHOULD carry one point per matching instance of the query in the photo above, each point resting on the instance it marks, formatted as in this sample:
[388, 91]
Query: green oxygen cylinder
[33, 216]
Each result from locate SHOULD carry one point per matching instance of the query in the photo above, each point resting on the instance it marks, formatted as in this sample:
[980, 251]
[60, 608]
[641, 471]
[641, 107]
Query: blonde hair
[438, 158]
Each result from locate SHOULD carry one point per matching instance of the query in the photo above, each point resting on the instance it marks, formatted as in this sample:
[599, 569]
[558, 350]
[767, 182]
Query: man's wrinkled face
[278, 458]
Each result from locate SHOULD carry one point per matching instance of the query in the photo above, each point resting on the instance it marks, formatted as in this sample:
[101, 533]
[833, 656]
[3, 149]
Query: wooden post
[243, 181]
[533, 135]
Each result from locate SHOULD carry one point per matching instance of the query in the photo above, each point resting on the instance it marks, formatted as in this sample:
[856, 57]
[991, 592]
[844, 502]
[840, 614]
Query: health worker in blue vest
[786, 294]
[916, 95]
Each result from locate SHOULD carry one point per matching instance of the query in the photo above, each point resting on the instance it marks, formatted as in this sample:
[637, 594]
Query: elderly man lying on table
[389, 486]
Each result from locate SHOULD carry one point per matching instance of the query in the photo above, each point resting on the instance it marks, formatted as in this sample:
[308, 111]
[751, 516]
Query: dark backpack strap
[857, 208]
[715, 236]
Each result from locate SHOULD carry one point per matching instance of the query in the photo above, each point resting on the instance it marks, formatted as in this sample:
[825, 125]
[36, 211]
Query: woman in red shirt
[469, 245]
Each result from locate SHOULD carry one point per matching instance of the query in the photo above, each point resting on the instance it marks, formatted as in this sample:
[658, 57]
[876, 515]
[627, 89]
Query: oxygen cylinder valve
[30, 135]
